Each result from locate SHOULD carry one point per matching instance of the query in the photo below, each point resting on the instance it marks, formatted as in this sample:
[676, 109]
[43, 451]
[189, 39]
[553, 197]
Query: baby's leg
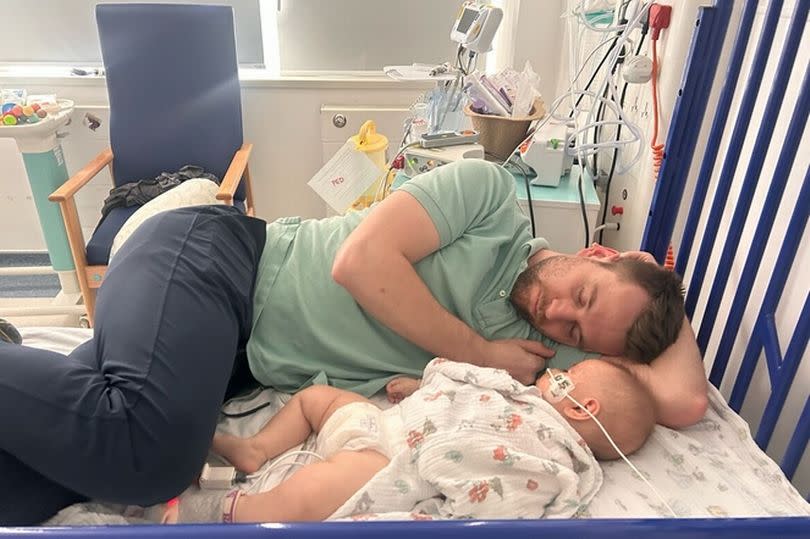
[315, 491]
[399, 388]
[305, 412]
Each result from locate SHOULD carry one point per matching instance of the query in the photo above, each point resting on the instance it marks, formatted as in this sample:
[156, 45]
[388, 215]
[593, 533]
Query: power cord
[525, 174]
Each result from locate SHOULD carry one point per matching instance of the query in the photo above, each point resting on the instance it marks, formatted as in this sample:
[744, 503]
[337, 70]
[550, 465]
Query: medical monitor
[475, 26]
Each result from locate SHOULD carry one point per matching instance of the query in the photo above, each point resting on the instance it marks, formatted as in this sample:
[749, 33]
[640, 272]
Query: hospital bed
[714, 474]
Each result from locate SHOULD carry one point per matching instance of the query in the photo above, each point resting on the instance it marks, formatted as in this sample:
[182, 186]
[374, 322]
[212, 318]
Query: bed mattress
[712, 469]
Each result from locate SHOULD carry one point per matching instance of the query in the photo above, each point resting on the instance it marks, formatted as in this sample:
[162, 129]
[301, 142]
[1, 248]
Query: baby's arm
[399, 388]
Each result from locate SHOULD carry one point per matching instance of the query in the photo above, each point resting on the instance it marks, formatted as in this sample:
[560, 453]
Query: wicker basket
[500, 135]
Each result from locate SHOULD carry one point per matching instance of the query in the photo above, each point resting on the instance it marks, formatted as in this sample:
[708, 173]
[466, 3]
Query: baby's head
[623, 406]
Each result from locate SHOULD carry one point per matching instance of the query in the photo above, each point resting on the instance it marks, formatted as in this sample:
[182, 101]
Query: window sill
[54, 75]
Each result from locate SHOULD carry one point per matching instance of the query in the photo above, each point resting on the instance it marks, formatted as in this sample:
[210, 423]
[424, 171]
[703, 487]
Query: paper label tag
[345, 177]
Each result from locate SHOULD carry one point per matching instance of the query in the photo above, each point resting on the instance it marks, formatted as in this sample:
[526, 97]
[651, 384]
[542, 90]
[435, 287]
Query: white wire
[280, 460]
[619, 451]
[610, 226]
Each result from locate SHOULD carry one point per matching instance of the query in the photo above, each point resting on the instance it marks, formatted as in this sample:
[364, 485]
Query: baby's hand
[399, 388]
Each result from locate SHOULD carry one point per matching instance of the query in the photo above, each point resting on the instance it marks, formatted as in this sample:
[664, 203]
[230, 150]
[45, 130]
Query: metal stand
[46, 171]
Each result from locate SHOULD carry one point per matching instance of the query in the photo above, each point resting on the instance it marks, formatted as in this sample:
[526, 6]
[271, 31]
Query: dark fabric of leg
[27, 497]
[129, 417]
[242, 380]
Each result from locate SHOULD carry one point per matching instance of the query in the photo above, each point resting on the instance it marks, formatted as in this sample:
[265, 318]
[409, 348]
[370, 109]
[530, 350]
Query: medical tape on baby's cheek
[559, 386]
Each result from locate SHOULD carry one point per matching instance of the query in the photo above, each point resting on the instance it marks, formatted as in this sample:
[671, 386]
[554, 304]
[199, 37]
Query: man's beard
[537, 275]
[519, 297]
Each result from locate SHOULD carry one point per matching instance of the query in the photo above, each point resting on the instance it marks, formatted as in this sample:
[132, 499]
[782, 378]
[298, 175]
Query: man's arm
[676, 380]
[375, 265]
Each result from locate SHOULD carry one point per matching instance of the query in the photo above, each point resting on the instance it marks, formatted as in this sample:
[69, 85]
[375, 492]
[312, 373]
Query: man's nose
[559, 309]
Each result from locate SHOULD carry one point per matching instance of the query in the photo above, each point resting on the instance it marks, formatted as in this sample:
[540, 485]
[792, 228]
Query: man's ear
[599, 252]
[578, 414]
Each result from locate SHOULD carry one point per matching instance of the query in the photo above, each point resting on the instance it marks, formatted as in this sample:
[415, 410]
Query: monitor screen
[467, 17]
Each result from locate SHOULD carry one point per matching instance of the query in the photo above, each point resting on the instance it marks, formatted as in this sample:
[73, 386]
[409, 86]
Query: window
[64, 32]
[362, 35]
[288, 37]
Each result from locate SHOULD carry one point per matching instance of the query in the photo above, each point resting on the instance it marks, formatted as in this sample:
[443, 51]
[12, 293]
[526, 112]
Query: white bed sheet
[713, 468]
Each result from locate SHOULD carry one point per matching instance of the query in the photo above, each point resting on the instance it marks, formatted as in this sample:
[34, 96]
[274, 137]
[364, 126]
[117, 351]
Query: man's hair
[658, 325]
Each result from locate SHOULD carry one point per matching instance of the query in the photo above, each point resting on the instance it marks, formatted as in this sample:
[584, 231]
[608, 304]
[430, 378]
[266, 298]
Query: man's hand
[521, 358]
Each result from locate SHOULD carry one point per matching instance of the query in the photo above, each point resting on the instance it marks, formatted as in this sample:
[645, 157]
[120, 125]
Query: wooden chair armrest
[80, 179]
[234, 174]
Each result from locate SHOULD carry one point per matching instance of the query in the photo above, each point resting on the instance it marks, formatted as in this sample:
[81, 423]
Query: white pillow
[194, 192]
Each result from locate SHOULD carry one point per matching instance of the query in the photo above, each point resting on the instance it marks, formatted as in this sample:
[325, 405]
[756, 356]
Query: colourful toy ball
[9, 119]
[7, 107]
[36, 107]
[16, 110]
[28, 110]
[42, 113]
[32, 119]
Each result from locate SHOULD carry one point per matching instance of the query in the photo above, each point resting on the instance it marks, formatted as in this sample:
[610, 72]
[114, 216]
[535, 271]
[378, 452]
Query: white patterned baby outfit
[481, 445]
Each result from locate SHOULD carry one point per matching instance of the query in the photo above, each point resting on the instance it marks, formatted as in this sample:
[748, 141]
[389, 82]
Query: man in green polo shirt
[446, 266]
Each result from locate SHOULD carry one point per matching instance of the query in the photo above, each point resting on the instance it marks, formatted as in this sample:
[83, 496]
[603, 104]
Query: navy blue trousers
[128, 416]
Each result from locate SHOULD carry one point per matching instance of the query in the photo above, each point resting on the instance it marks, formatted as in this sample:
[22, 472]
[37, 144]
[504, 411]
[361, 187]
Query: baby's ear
[577, 413]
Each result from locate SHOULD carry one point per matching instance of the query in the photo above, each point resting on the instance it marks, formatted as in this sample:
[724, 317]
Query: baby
[471, 437]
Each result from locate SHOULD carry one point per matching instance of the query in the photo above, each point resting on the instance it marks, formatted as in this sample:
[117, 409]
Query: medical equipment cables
[621, 12]
[612, 41]
[608, 86]
[604, 226]
[641, 15]
[584, 150]
[248, 396]
[452, 99]
[561, 384]
[472, 60]
[617, 44]
[552, 109]
[644, 30]
[237, 415]
[657, 148]
[613, 53]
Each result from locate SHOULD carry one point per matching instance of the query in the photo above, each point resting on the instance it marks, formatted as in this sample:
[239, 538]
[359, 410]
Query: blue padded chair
[173, 86]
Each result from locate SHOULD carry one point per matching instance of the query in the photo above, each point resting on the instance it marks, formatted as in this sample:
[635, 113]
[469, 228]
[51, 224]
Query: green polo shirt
[307, 329]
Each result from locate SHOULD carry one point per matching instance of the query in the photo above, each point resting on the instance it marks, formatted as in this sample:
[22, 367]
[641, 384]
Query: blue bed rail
[697, 528]
[782, 362]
